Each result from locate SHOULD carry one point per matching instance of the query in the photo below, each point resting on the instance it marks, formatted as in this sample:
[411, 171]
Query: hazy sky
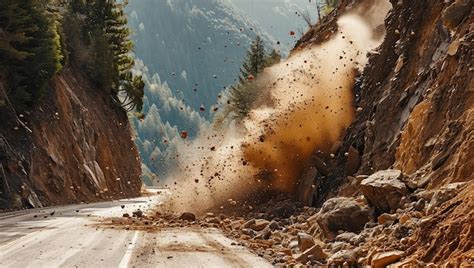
[279, 17]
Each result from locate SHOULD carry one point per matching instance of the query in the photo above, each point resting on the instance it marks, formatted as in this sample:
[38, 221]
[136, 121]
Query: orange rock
[380, 260]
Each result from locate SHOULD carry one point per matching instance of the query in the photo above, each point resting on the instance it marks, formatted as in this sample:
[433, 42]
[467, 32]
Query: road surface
[71, 238]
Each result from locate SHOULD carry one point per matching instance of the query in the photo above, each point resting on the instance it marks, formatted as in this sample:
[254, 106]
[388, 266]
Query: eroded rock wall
[80, 148]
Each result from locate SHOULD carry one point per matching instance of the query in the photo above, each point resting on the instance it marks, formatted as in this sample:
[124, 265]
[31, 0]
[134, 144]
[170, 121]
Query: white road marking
[128, 254]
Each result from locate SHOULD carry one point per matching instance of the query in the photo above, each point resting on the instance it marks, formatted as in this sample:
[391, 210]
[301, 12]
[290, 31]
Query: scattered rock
[381, 260]
[404, 218]
[138, 214]
[248, 224]
[213, 220]
[305, 241]
[126, 215]
[386, 218]
[344, 256]
[188, 216]
[419, 205]
[265, 233]
[341, 213]
[315, 252]
[384, 190]
[274, 226]
[345, 237]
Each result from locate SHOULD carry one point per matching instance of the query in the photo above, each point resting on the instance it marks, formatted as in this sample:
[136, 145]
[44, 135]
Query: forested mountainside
[195, 46]
[66, 83]
[189, 54]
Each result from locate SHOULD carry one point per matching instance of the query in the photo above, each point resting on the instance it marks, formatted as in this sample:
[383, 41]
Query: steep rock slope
[414, 114]
[79, 149]
[415, 102]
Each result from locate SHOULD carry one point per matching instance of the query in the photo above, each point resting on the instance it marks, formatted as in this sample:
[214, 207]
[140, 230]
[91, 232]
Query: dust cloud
[305, 106]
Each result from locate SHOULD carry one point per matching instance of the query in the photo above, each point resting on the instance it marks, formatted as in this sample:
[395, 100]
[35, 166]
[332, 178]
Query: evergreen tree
[254, 62]
[273, 58]
[106, 34]
[243, 95]
[30, 48]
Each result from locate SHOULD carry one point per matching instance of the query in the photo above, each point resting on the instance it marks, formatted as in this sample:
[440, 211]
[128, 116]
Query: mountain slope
[195, 46]
[79, 150]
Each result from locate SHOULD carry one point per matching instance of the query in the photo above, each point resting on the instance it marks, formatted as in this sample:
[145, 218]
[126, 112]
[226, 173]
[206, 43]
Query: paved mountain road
[72, 239]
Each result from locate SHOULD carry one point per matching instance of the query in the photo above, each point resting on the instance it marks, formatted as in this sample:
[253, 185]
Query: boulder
[341, 213]
[188, 216]
[316, 252]
[381, 260]
[305, 241]
[384, 190]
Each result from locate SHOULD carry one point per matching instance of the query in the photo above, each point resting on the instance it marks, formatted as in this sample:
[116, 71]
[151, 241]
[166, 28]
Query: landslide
[76, 147]
[415, 114]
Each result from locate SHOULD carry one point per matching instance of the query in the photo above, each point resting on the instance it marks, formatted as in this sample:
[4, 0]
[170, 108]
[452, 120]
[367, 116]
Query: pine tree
[105, 31]
[254, 62]
[243, 94]
[30, 48]
[273, 58]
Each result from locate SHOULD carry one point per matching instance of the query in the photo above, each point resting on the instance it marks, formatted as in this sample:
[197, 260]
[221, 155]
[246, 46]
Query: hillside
[65, 137]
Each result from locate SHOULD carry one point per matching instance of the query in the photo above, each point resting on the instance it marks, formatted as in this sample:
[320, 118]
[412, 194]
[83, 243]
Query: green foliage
[273, 58]
[104, 49]
[30, 49]
[329, 5]
[254, 62]
[243, 95]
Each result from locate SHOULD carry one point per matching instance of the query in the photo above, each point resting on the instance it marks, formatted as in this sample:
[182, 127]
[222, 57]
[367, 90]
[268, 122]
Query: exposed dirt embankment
[80, 148]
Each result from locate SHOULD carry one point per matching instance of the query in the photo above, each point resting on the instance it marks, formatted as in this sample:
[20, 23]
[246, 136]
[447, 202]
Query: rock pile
[344, 231]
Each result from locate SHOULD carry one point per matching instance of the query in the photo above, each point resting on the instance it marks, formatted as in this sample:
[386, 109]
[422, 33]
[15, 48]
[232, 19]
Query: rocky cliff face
[413, 132]
[415, 115]
[78, 148]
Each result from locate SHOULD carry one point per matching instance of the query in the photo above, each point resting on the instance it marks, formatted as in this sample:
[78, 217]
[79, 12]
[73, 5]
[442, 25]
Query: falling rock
[315, 251]
[188, 216]
[305, 241]
[381, 260]
[341, 213]
[384, 189]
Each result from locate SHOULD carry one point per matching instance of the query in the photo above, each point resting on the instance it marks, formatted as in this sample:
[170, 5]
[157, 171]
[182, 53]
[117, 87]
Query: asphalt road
[70, 237]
